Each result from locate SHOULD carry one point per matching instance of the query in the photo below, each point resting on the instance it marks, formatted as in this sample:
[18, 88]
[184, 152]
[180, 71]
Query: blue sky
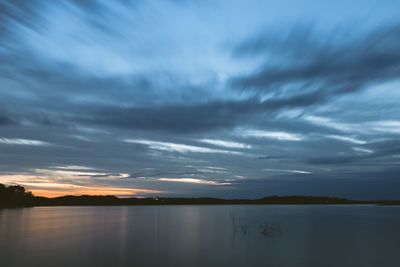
[201, 98]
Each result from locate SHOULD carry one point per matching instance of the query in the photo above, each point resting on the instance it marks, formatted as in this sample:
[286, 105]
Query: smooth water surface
[309, 235]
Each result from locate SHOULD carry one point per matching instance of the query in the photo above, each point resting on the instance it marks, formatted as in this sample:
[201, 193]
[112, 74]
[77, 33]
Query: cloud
[5, 120]
[269, 157]
[223, 143]
[181, 148]
[282, 136]
[73, 167]
[363, 150]
[193, 181]
[347, 139]
[53, 183]
[289, 171]
[150, 102]
[327, 122]
[61, 189]
[380, 153]
[207, 170]
[78, 172]
[374, 127]
[385, 126]
[305, 64]
[19, 141]
[210, 115]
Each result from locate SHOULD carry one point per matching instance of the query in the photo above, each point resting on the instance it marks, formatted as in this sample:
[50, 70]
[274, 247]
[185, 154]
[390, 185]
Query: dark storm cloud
[185, 118]
[195, 117]
[319, 68]
[6, 120]
[324, 68]
[337, 160]
[380, 152]
[19, 11]
[145, 105]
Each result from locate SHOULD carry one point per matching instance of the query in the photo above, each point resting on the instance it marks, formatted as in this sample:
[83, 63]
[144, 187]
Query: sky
[224, 98]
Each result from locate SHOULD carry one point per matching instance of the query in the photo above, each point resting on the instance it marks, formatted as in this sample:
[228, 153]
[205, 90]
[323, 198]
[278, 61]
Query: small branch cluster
[266, 229]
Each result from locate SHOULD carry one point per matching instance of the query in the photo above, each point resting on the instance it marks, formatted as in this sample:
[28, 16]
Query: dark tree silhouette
[14, 196]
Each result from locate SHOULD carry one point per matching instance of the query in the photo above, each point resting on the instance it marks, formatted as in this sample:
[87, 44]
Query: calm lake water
[309, 235]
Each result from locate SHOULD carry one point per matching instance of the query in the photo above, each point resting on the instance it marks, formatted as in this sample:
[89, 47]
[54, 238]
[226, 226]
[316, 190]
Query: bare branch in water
[266, 229]
[269, 230]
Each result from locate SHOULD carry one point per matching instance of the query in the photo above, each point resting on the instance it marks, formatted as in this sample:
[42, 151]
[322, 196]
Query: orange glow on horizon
[49, 187]
[86, 190]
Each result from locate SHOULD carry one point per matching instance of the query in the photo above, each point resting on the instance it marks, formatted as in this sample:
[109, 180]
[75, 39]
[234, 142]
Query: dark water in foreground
[200, 236]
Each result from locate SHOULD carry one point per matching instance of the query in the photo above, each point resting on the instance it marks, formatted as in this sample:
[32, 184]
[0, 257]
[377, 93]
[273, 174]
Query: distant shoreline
[87, 200]
[16, 196]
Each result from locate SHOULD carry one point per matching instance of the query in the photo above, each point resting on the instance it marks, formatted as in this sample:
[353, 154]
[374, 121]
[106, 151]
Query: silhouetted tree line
[14, 196]
[17, 196]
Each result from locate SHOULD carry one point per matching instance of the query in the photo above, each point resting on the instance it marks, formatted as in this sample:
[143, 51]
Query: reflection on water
[200, 236]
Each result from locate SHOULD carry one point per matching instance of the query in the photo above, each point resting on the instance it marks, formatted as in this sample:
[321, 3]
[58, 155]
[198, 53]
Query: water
[200, 236]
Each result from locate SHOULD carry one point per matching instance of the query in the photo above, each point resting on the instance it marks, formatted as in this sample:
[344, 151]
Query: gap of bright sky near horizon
[201, 98]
